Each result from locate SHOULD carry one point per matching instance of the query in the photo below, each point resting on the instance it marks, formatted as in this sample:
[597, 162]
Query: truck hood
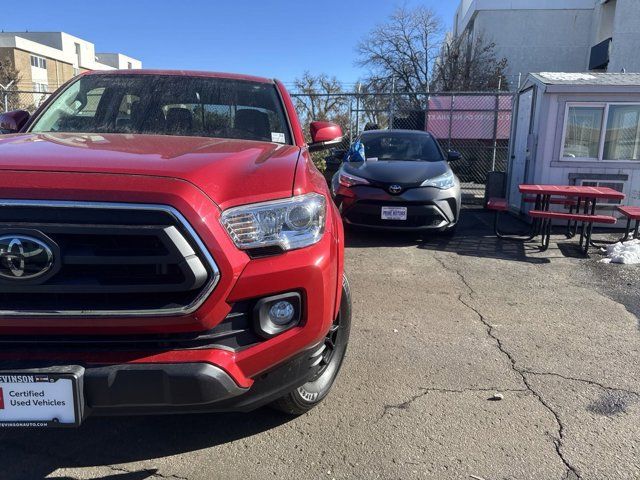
[230, 172]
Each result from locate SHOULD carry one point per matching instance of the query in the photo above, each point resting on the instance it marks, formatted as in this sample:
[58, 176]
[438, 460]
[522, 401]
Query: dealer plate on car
[394, 213]
[38, 400]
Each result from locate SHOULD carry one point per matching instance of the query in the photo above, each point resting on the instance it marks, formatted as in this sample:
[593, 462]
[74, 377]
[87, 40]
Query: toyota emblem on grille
[23, 257]
[395, 189]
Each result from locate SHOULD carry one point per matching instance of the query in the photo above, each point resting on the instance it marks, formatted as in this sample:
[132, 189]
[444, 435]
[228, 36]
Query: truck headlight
[291, 223]
[443, 182]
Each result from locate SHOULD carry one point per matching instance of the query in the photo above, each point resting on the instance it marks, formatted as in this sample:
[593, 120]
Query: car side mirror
[12, 122]
[324, 135]
[453, 155]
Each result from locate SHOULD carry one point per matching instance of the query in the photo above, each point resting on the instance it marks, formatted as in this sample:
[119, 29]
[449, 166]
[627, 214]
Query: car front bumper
[428, 209]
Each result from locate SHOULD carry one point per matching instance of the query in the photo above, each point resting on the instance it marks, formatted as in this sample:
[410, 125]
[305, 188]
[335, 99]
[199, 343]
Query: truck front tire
[304, 398]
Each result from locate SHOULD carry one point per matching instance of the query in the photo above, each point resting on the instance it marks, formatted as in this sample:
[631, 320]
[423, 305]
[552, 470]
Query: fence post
[358, 109]
[453, 97]
[392, 103]
[496, 112]
[350, 118]
[426, 115]
[5, 88]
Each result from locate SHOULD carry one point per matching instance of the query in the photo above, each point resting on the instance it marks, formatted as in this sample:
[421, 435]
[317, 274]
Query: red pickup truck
[166, 245]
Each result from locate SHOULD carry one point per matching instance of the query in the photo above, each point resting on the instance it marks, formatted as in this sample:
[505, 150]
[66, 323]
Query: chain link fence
[475, 124]
[21, 100]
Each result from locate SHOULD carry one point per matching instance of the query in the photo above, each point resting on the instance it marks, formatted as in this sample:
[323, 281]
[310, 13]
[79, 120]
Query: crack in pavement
[426, 390]
[584, 380]
[557, 441]
[152, 471]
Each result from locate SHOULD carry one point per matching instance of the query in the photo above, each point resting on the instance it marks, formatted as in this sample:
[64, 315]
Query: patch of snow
[566, 77]
[627, 253]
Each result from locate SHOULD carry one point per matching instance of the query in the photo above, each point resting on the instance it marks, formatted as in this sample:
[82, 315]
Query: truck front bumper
[157, 388]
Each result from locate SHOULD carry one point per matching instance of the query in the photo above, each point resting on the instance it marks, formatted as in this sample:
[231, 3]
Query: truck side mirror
[324, 135]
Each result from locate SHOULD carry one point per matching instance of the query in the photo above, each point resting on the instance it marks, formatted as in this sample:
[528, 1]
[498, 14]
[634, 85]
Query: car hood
[230, 172]
[405, 173]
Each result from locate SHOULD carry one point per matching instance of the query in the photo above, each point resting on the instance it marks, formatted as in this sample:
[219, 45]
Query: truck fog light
[277, 314]
[281, 312]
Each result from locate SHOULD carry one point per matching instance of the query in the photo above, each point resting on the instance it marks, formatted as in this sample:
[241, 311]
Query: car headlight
[348, 180]
[290, 223]
[443, 182]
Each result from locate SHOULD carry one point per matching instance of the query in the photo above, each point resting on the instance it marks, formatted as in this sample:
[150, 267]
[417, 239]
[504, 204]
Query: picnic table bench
[631, 213]
[580, 200]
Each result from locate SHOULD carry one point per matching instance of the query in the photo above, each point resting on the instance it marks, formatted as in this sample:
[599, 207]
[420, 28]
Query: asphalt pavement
[470, 358]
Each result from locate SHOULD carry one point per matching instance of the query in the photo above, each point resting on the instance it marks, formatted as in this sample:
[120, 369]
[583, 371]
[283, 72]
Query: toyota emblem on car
[23, 257]
[395, 189]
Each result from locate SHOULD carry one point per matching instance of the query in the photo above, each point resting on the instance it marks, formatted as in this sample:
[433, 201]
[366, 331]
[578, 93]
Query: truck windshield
[168, 105]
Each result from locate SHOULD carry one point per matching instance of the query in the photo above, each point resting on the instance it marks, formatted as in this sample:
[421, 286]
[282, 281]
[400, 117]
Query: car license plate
[394, 213]
[38, 400]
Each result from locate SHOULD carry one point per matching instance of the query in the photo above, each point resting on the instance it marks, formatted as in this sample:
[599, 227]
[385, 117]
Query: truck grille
[234, 333]
[109, 259]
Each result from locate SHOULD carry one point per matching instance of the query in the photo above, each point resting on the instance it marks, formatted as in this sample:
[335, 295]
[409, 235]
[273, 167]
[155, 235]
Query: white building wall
[119, 61]
[62, 46]
[554, 35]
[626, 37]
[538, 40]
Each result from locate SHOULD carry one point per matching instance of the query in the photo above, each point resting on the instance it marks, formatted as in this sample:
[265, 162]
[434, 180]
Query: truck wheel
[304, 398]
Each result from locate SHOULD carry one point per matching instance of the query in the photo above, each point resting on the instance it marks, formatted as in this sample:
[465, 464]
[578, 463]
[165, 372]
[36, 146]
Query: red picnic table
[581, 201]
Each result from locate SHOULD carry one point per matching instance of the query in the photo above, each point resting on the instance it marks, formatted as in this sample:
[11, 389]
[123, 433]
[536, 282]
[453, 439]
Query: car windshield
[168, 105]
[400, 146]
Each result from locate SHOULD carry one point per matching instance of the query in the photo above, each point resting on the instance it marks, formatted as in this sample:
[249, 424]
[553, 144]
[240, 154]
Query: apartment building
[556, 35]
[46, 60]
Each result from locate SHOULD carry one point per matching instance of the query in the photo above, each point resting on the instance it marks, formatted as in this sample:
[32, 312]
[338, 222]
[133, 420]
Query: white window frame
[40, 62]
[603, 131]
[568, 105]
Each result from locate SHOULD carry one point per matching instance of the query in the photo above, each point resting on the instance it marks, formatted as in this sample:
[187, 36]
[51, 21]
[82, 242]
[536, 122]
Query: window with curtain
[582, 132]
[622, 141]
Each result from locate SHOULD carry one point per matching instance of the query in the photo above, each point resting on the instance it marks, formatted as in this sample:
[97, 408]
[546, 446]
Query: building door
[522, 147]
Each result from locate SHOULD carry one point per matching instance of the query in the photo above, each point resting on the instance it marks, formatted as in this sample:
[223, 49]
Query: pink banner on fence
[469, 117]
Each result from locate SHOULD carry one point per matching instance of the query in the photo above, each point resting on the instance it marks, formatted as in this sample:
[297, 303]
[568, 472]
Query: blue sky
[274, 38]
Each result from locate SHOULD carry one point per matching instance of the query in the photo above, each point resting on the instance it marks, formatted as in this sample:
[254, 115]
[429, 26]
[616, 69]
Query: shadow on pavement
[117, 440]
[474, 237]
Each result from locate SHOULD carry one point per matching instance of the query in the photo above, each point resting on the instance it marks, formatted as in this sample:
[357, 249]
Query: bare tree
[402, 50]
[469, 64]
[10, 78]
[320, 97]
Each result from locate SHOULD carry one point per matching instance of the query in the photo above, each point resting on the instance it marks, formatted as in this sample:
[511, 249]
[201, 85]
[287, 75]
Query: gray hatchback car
[398, 180]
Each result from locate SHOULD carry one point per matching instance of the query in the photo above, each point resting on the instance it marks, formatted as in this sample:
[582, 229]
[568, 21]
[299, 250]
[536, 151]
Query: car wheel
[304, 398]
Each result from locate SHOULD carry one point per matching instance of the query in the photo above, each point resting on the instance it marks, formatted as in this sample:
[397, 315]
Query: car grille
[112, 259]
[234, 333]
[412, 221]
[419, 214]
